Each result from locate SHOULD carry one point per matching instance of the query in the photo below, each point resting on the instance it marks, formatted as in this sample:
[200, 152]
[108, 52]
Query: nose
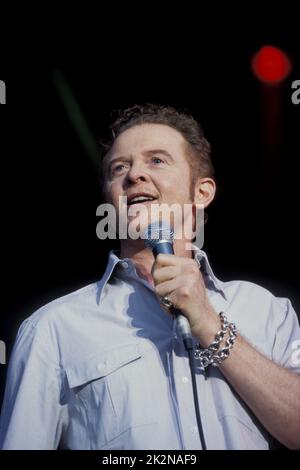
[136, 173]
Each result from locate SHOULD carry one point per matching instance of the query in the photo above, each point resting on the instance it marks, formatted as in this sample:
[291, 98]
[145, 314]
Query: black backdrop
[50, 187]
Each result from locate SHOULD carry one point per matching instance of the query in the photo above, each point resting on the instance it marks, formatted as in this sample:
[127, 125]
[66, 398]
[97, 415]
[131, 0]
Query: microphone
[159, 238]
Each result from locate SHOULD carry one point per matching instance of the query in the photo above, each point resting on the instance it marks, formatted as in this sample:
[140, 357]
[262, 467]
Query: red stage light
[271, 65]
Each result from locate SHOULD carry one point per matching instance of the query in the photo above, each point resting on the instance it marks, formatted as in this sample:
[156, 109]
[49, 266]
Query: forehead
[145, 137]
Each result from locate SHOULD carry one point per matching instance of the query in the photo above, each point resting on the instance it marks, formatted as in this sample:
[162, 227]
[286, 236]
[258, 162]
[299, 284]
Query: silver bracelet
[211, 355]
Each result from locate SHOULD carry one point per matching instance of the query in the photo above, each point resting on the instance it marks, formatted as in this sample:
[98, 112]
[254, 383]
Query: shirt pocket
[107, 394]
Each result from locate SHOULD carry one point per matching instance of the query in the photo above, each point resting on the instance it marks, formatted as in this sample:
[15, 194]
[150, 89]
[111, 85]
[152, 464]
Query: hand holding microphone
[179, 279]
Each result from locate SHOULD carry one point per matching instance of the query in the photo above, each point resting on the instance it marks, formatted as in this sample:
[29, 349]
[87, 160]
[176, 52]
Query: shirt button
[124, 265]
[194, 430]
[185, 380]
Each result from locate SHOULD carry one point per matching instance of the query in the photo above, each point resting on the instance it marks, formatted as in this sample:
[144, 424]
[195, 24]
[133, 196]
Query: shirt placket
[184, 396]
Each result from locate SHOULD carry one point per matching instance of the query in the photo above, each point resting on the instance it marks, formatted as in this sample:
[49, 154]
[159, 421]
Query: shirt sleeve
[286, 348]
[32, 416]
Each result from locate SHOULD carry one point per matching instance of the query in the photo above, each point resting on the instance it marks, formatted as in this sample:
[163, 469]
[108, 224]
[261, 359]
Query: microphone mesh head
[157, 231]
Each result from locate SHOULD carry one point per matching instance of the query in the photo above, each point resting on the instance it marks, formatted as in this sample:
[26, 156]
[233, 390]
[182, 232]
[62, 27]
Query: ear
[204, 191]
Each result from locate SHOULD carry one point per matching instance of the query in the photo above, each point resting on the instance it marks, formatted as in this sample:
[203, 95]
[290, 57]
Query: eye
[157, 160]
[117, 169]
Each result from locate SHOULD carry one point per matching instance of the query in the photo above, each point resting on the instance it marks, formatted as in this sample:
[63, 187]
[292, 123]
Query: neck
[143, 257]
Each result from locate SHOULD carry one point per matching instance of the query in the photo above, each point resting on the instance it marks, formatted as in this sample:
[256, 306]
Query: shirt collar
[113, 261]
[211, 281]
[210, 278]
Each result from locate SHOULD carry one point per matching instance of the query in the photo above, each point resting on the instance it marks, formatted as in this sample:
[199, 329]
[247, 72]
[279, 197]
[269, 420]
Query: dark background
[50, 188]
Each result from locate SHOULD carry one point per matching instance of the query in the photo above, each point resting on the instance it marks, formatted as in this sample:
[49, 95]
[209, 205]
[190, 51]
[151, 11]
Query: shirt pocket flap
[102, 364]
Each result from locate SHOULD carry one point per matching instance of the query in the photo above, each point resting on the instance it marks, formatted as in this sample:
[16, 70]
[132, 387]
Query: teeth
[140, 199]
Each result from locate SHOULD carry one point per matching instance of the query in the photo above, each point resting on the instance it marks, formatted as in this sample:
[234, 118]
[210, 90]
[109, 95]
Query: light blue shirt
[104, 368]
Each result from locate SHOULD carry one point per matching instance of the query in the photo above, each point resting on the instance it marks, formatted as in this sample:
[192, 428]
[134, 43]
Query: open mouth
[140, 200]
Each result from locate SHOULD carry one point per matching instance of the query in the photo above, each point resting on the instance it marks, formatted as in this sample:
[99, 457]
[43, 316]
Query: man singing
[105, 368]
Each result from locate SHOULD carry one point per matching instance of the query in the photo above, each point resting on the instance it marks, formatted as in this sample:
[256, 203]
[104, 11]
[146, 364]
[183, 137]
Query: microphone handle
[166, 247]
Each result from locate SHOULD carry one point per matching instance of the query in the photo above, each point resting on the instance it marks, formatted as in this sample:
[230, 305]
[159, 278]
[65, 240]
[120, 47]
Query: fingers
[172, 260]
[164, 274]
[168, 266]
[167, 260]
[165, 288]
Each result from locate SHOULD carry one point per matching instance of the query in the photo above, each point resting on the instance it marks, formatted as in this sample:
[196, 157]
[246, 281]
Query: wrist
[214, 354]
[205, 330]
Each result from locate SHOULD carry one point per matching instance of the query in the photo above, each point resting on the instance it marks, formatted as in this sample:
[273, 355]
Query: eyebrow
[146, 153]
